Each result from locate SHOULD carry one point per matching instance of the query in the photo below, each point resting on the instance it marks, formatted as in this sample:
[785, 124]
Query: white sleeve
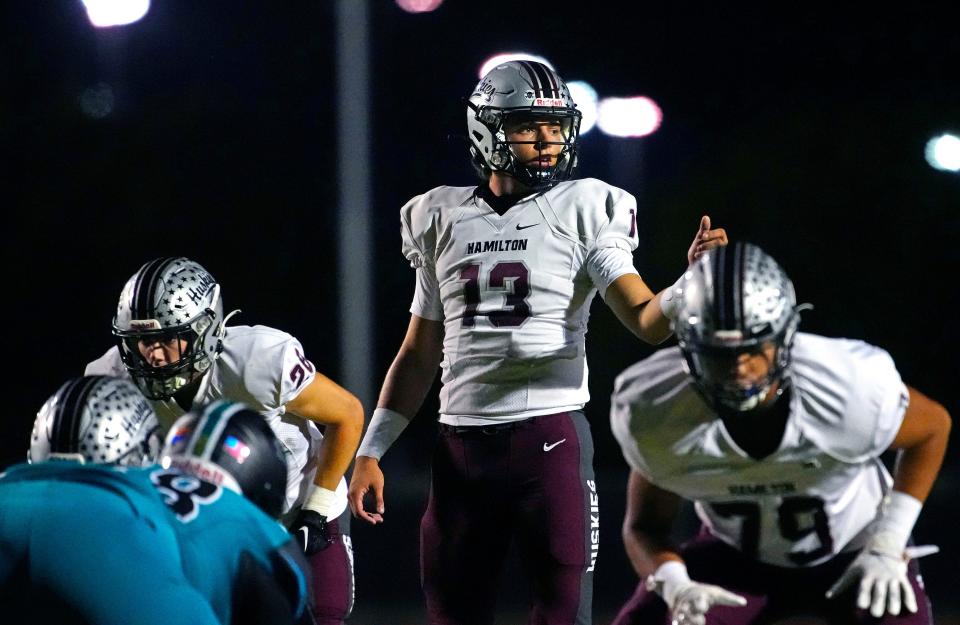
[606, 264]
[298, 372]
[611, 255]
[108, 364]
[426, 298]
[417, 232]
[620, 227]
[854, 397]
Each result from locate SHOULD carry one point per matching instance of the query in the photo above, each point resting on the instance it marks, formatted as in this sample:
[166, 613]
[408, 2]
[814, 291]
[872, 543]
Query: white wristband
[385, 426]
[897, 516]
[320, 500]
[671, 297]
[668, 576]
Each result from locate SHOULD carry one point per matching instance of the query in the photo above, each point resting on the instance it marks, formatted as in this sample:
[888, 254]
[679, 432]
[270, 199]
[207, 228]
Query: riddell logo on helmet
[145, 324]
[729, 337]
[204, 470]
[548, 102]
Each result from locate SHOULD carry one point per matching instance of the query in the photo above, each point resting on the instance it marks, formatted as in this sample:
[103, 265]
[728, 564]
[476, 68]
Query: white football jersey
[514, 292]
[808, 500]
[263, 368]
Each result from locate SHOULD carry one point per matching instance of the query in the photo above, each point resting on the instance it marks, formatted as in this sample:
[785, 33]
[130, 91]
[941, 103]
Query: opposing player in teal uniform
[87, 542]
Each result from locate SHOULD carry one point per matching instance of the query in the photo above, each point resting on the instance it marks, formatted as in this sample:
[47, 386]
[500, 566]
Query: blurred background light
[943, 152]
[419, 6]
[497, 59]
[585, 97]
[106, 13]
[638, 116]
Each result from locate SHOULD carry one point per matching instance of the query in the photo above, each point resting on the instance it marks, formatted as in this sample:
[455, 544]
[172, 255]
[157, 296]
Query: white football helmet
[521, 90]
[96, 419]
[176, 301]
[735, 299]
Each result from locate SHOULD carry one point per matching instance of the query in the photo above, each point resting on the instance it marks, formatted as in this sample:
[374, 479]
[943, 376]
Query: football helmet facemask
[231, 445]
[171, 304]
[516, 92]
[96, 419]
[736, 300]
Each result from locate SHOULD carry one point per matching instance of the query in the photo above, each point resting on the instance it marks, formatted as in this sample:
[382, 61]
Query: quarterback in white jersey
[776, 437]
[505, 275]
[174, 344]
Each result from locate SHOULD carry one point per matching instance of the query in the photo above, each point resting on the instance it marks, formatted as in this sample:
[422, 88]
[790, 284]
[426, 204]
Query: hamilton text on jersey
[509, 245]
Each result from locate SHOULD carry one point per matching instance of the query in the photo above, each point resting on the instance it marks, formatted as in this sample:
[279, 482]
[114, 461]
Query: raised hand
[707, 238]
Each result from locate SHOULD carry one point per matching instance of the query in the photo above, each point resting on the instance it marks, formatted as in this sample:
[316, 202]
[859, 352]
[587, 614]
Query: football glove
[881, 569]
[311, 531]
[688, 600]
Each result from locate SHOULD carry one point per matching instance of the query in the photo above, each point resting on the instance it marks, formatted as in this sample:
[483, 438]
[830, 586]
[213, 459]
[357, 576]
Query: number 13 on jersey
[507, 280]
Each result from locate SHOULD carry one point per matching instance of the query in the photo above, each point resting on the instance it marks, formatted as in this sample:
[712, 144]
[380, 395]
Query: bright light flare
[585, 97]
[419, 6]
[106, 13]
[499, 59]
[943, 152]
[638, 116]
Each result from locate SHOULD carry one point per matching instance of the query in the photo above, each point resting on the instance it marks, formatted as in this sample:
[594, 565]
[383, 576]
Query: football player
[90, 536]
[777, 437]
[505, 275]
[173, 341]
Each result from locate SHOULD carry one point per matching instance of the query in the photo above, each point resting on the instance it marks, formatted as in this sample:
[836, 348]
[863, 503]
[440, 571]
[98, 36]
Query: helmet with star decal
[169, 325]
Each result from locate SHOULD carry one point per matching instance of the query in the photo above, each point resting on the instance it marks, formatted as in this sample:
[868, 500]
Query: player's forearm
[653, 326]
[647, 551]
[638, 309]
[336, 452]
[917, 466]
[408, 381]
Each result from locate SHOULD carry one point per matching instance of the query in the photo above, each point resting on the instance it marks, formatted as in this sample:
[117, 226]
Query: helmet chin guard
[521, 90]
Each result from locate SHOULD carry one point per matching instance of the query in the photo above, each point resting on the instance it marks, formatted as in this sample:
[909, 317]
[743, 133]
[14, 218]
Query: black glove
[310, 530]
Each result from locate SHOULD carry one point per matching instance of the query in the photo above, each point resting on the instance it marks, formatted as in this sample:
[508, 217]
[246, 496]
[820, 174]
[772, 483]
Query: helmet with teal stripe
[231, 445]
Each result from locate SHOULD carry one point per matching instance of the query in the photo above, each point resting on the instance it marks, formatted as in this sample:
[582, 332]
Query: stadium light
[419, 6]
[943, 152]
[638, 116]
[585, 97]
[106, 13]
[497, 59]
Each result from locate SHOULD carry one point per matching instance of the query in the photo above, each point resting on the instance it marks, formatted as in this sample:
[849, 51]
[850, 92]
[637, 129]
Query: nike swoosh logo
[519, 227]
[305, 537]
[547, 447]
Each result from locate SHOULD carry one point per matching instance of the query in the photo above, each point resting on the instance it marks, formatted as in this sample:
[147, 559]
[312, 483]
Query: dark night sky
[801, 130]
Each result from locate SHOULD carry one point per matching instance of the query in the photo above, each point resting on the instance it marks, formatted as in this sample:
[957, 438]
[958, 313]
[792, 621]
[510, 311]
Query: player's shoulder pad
[588, 209]
[642, 391]
[251, 343]
[851, 396]
[424, 219]
[109, 364]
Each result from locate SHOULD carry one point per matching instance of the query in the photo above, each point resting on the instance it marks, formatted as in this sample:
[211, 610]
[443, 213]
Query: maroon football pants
[530, 481]
[331, 573]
